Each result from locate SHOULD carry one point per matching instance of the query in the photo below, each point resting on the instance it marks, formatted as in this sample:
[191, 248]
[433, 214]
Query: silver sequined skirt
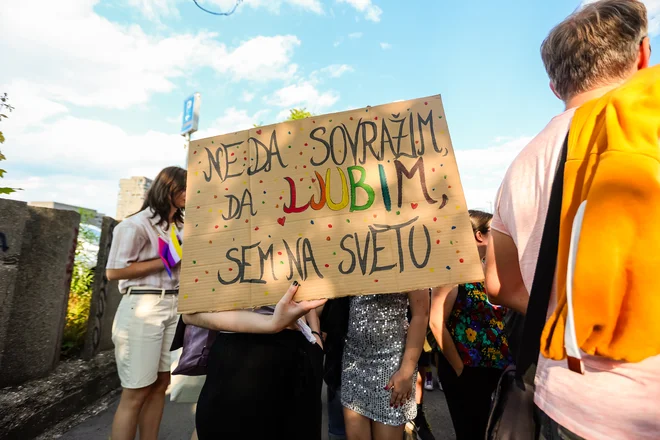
[377, 330]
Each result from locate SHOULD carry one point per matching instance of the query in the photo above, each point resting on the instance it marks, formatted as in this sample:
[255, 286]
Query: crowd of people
[266, 366]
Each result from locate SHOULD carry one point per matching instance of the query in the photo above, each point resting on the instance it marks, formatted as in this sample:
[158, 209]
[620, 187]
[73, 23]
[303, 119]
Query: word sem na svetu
[362, 255]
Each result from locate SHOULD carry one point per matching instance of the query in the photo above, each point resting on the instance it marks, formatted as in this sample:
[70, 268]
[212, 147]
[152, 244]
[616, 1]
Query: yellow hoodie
[613, 162]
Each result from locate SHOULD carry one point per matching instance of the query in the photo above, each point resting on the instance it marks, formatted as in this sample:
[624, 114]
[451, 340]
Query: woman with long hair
[473, 348]
[147, 315]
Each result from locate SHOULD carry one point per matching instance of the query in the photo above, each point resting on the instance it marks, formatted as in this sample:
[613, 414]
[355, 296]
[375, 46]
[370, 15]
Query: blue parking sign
[190, 114]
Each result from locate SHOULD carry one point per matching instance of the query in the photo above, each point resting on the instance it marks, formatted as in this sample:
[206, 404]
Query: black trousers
[468, 397]
[260, 387]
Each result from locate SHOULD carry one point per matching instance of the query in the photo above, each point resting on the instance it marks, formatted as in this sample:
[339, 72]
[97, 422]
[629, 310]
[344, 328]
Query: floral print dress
[477, 328]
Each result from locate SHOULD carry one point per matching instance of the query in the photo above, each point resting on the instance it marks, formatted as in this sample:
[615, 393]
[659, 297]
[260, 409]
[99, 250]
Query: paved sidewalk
[179, 420]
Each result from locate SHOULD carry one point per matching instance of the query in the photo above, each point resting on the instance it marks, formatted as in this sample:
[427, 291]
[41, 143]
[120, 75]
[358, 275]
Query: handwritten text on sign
[360, 202]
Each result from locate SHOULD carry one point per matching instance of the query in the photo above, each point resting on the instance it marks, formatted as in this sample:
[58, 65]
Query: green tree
[298, 113]
[4, 106]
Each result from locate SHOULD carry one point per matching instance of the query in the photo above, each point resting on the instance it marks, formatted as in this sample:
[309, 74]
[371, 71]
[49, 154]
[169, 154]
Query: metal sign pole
[190, 120]
[186, 147]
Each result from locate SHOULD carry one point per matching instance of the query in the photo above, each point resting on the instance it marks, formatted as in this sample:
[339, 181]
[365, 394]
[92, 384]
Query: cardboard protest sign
[360, 202]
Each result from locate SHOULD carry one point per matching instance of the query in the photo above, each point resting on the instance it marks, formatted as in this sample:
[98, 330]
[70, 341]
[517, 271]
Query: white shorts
[142, 332]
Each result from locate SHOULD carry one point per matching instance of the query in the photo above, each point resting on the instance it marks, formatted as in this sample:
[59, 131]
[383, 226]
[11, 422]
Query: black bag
[513, 415]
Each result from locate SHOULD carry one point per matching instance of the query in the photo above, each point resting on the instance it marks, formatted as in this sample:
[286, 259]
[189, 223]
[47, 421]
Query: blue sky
[98, 85]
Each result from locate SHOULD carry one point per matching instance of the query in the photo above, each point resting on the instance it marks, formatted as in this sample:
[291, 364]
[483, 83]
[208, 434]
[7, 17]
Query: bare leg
[152, 411]
[358, 427]
[194, 435]
[124, 425]
[419, 388]
[386, 432]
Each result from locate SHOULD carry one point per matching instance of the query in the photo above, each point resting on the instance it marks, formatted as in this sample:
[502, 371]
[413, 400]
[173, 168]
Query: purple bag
[196, 343]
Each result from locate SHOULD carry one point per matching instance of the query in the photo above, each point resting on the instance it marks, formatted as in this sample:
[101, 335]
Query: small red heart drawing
[313, 180]
[257, 228]
[414, 205]
[258, 131]
[281, 221]
[305, 143]
[435, 219]
[261, 181]
[417, 142]
[351, 118]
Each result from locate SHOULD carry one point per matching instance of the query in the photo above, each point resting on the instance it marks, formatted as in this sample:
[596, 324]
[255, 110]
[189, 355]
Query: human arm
[504, 282]
[123, 260]
[139, 269]
[442, 303]
[286, 314]
[401, 382]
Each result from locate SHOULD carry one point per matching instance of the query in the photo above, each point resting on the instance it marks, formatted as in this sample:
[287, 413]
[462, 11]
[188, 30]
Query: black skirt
[261, 386]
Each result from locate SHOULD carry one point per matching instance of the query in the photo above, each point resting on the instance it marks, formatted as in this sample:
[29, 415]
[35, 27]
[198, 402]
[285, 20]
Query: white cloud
[336, 70]
[98, 194]
[304, 94]
[260, 59]
[653, 9]
[247, 96]
[371, 11]
[103, 64]
[232, 121]
[483, 169]
[156, 9]
[385, 46]
[83, 160]
[355, 35]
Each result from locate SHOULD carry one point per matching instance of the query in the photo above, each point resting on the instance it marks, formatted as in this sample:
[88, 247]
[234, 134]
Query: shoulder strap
[544, 276]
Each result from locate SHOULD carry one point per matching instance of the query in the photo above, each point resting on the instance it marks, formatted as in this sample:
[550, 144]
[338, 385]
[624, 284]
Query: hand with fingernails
[287, 311]
[401, 386]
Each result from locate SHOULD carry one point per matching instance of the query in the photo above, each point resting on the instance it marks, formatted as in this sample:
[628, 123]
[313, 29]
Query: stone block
[13, 216]
[105, 298]
[36, 317]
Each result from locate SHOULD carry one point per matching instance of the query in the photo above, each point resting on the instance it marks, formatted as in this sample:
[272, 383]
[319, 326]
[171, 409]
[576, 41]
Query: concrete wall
[35, 278]
[105, 298]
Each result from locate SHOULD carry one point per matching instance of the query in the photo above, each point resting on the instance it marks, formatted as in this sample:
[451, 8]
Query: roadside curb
[28, 410]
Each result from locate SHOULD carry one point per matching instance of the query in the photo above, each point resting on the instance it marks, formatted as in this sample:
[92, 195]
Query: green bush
[77, 312]
[80, 294]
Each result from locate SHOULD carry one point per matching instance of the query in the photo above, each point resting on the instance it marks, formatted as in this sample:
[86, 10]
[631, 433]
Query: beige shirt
[136, 239]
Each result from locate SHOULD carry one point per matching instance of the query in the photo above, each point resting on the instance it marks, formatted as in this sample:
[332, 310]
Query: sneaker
[428, 381]
[419, 431]
[438, 384]
[422, 427]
